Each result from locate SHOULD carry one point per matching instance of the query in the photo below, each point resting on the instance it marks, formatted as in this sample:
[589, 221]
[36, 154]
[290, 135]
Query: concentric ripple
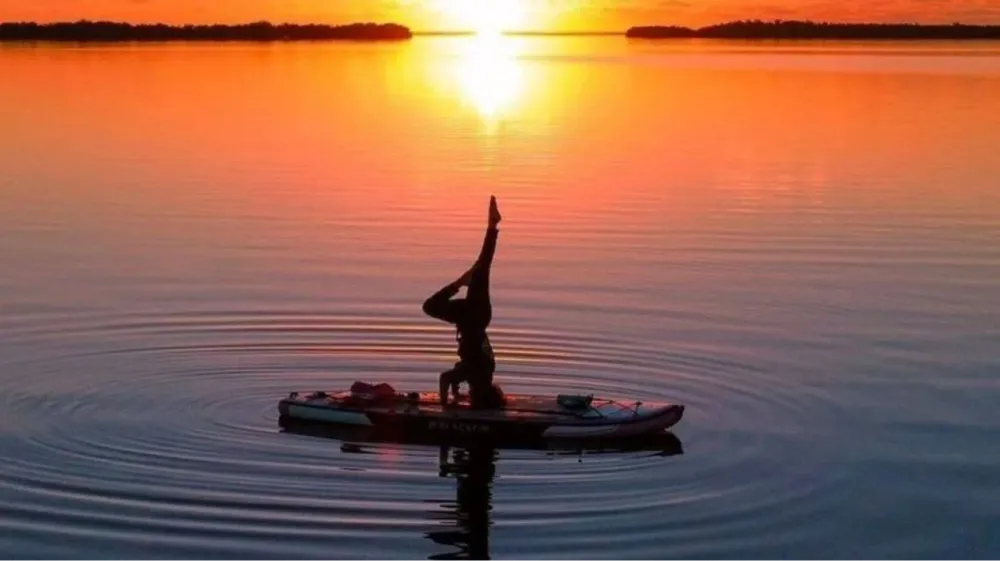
[165, 439]
[818, 288]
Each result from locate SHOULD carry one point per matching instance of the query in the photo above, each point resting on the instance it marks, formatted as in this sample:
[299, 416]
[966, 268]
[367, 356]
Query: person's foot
[495, 216]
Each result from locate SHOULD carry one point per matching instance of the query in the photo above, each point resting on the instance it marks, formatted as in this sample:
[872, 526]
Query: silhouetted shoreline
[106, 31]
[779, 29]
[258, 31]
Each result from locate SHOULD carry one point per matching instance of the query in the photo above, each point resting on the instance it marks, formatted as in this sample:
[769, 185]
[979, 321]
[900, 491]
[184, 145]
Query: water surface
[798, 242]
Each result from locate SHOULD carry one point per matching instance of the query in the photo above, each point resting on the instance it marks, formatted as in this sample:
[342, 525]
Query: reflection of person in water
[474, 469]
[465, 523]
[471, 316]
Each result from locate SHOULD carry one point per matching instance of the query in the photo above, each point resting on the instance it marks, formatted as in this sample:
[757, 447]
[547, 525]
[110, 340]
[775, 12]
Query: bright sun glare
[486, 17]
[490, 75]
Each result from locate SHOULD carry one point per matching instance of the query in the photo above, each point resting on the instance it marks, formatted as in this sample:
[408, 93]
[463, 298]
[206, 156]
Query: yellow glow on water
[491, 77]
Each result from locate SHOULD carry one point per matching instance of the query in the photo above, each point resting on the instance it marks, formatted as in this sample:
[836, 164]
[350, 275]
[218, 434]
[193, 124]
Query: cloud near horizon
[537, 14]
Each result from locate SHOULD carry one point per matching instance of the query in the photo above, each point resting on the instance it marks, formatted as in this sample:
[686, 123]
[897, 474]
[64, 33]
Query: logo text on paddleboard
[469, 428]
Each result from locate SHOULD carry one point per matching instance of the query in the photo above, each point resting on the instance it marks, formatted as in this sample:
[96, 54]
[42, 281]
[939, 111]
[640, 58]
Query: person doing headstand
[471, 316]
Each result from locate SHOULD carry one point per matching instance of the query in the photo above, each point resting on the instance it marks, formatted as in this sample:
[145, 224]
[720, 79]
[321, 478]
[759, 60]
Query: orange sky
[518, 14]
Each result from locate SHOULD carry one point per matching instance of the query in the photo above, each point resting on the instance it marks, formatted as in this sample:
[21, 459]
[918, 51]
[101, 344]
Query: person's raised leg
[478, 294]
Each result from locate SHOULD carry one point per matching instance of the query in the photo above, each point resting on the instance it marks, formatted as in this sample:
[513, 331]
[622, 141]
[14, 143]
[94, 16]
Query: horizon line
[529, 32]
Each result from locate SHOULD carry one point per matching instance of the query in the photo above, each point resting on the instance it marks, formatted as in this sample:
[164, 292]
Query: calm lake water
[800, 243]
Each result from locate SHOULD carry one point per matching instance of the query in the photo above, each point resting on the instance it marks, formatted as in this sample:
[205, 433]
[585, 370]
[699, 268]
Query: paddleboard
[525, 416]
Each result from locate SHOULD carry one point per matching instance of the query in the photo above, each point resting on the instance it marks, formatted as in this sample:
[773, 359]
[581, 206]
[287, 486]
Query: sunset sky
[423, 15]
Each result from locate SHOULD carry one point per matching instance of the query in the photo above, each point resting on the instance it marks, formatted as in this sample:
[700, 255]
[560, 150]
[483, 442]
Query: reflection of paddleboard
[525, 417]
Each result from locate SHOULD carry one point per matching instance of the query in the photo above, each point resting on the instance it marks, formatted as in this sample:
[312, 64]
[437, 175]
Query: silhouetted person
[471, 316]
[474, 468]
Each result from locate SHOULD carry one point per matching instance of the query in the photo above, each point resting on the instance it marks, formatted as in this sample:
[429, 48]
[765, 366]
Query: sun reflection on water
[491, 77]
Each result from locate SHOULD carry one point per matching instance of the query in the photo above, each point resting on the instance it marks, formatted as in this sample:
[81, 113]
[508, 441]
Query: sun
[485, 17]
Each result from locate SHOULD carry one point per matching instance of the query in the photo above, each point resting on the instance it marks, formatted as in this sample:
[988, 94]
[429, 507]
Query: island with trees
[105, 31]
[790, 29]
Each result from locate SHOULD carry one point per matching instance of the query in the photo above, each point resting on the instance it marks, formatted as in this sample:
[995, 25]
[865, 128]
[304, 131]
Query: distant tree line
[259, 31]
[784, 29]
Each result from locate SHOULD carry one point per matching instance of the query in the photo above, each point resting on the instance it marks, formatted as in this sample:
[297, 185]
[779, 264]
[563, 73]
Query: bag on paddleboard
[377, 391]
[574, 402]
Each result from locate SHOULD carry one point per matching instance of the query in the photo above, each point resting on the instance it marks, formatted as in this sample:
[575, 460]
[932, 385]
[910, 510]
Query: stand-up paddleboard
[353, 438]
[525, 417]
